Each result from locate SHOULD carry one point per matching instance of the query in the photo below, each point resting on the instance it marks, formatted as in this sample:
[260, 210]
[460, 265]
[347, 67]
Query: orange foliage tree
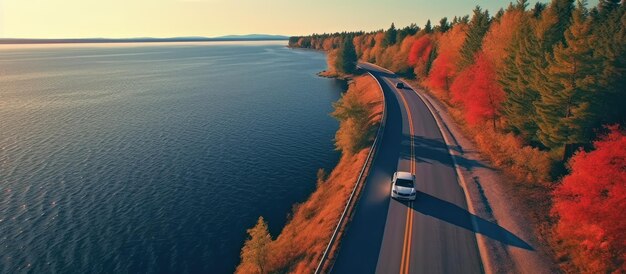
[366, 54]
[327, 45]
[444, 66]
[255, 252]
[398, 55]
[377, 50]
[331, 60]
[394, 58]
[358, 44]
[590, 204]
[498, 39]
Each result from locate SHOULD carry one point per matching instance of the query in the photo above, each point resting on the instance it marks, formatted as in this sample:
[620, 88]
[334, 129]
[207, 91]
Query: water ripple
[143, 159]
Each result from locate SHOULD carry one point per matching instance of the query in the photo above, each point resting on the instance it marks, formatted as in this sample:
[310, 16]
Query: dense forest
[542, 91]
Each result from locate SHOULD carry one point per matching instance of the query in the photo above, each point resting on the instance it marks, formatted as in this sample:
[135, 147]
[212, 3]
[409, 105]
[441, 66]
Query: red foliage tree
[477, 89]
[420, 50]
[419, 56]
[591, 204]
[441, 73]
[460, 86]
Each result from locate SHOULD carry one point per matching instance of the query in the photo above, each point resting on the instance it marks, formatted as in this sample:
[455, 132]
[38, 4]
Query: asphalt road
[434, 234]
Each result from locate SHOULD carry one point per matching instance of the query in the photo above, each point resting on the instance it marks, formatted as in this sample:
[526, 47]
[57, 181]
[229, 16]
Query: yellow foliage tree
[255, 252]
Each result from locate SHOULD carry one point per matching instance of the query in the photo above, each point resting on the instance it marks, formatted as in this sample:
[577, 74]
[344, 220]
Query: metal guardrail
[348, 209]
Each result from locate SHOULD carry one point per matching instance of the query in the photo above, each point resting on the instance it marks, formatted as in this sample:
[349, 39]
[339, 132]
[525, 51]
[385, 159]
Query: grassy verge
[299, 246]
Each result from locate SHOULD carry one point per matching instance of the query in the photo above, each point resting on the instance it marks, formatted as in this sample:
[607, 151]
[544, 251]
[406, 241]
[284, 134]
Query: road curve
[434, 234]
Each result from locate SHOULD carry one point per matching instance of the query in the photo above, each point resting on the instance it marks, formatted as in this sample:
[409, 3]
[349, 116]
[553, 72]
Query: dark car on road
[399, 85]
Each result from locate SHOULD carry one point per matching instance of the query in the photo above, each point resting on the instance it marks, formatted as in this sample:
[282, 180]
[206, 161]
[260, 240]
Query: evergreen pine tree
[538, 9]
[610, 27]
[444, 25]
[554, 21]
[516, 78]
[464, 20]
[390, 36]
[568, 109]
[428, 28]
[455, 21]
[605, 7]
[346, 58]
[549, 31]
[431, 59]
[499, 14]
[478, 27]
[406, 31]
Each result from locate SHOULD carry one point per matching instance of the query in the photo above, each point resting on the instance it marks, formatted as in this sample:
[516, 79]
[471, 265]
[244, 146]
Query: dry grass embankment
[297, 249]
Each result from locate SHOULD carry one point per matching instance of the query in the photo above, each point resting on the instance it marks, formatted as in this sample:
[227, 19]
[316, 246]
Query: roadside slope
[297, 249]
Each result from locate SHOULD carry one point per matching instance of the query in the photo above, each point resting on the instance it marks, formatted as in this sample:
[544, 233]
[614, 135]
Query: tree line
[548, 78]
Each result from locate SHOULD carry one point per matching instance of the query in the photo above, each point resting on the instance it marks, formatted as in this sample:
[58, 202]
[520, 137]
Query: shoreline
[20, 41]
[315, 220]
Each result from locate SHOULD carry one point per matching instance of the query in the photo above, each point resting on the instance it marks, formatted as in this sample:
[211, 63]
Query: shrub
[506, 151]
[355, 129]
[590, 204]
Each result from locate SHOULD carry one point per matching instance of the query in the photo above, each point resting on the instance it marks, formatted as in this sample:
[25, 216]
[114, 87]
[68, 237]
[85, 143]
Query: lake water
[135, 158]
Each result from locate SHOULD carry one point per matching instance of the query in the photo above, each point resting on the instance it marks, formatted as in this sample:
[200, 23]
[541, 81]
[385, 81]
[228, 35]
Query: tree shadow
[428, 150]
[453, 214]
[376, 72]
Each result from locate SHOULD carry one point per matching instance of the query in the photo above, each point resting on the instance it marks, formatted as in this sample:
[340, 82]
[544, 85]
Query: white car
[403, 186]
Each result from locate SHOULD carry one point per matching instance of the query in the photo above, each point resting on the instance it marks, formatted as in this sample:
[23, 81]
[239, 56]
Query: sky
[175, 18]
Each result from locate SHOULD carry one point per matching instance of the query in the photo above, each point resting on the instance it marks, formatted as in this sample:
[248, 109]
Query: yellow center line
[406, 254]
[404, 245]
[408, 228]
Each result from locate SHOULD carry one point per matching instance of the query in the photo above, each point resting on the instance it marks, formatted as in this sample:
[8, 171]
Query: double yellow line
[408, 227]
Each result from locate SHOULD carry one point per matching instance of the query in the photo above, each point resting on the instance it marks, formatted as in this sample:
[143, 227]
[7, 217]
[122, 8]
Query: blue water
[154, 158]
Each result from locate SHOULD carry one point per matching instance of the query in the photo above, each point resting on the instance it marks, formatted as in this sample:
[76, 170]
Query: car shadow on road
[458, 216]
[428, 150]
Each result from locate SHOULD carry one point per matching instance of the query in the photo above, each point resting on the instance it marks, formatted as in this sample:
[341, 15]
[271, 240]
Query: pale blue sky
[169, 18]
